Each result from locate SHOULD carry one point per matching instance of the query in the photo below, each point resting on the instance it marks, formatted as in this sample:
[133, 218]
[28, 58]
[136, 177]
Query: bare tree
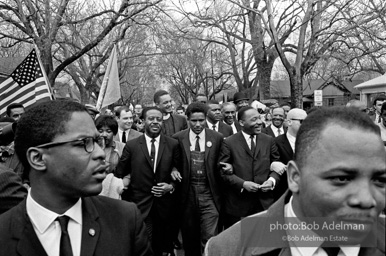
[48, 23]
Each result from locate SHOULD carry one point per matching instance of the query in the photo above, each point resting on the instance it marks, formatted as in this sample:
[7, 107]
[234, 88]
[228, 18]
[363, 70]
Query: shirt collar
[348, 251]
[192, 135]
[210, 125]
[42, 218]
[247, 136]
[148, 139]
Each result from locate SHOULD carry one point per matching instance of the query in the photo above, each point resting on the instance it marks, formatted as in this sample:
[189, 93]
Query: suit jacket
[118, 225]
[132, 135]
[136, 161]
[12, 191]
[223, 128]
[248, 167]
[286, 155]
[211, 160]
[179, 122]
[228, 243]
[267, 130]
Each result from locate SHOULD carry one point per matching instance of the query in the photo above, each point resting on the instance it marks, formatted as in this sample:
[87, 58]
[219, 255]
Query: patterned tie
[278, 131]
[65, 243]
[152, 151]
[124, 137]
[197, 147]
[214, 127]
[253, 146]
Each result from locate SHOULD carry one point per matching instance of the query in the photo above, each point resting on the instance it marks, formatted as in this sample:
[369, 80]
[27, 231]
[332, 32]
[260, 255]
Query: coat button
[91, 232]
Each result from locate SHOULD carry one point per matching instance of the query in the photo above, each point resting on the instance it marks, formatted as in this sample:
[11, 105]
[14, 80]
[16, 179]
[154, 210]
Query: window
[330, 102]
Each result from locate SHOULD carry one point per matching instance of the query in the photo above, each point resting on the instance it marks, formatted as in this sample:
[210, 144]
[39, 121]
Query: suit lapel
[258, 145]
[287, 146]
[207, 149]
[91, 228]
[161, 148]
[142, 144]
[186, 145]
[244, 144]
[22, 228]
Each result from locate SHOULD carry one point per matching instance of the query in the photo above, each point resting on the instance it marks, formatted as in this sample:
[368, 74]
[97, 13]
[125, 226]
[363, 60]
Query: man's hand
[250, 186]
[227, 169]
[278, 167]
[161, 189]
[176, 175]
[267, 185]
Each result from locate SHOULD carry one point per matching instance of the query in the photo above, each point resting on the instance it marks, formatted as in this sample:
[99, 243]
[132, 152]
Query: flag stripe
[26, 85]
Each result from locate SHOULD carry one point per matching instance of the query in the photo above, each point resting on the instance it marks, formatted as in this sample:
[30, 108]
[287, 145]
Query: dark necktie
[124, 137]
[278, 131]
[379, 119]
[331, 251]
[197, 147]
[252, 145]
[214, 127]
[152, 151]
[65, 243]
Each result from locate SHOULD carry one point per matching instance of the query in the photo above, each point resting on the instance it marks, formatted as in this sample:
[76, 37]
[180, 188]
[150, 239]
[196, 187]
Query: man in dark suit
[12, 191]
[377, 104]
[336, 178]
[276, 128]
[228, 110]
[200, 180]
[150, 159]
[214, 117]
[171, 123]
[286, 146]
[248, 189]
[59, 145]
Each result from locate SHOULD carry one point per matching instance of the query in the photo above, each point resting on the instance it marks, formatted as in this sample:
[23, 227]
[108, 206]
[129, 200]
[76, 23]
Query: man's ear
[36, 158]
[293, 176]
[241, 122]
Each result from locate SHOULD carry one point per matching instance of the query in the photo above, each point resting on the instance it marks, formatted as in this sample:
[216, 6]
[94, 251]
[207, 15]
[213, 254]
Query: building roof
[281, 88]
[379, 81]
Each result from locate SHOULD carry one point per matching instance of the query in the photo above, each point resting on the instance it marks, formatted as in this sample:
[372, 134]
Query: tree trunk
[296, 84]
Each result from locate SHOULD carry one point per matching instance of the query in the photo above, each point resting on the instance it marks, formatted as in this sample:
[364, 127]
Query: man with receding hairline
[338, 176]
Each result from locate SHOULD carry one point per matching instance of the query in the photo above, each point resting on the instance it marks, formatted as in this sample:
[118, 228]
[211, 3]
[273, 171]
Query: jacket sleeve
[142, 243]
[12, 191]
[275, 156]
[226, 157]
[123, 167]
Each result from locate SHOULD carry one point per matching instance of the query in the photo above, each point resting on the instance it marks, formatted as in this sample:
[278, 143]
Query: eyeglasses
[88, 143]
[300, 120]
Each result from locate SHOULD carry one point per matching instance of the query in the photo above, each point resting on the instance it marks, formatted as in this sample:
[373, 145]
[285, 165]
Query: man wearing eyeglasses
[150, 160]
[59, 146]
[286, 146]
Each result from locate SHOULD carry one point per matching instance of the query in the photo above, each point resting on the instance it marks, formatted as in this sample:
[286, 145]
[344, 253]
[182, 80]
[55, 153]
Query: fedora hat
[239, 96]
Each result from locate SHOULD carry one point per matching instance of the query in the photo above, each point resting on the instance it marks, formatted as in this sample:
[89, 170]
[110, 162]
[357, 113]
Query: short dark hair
[312, 127]
[120, 109]
[241, 112]
[12, 106]
[381, 97]
[383, 108]
[180, 108]
[41, 124]
[158, 95]
[145, 110]
[196, 107]
[212, 102]
[107, 120]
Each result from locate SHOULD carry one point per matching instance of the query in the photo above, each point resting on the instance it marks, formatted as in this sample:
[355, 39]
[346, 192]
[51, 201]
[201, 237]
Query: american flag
[26, 85]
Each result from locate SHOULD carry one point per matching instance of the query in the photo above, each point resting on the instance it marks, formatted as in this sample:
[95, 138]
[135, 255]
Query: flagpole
[43, 71]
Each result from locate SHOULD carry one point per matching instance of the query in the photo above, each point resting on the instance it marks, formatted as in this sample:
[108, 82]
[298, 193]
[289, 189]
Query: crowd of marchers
[134, 181]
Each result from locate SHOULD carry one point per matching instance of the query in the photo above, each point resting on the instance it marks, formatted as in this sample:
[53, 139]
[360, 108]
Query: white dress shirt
[120, 133]
[48, 230]
[234, 129]
[292, 140]
[156, 144]
[275, 130]
[317, 250]
[210, 125]
[192, 139]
